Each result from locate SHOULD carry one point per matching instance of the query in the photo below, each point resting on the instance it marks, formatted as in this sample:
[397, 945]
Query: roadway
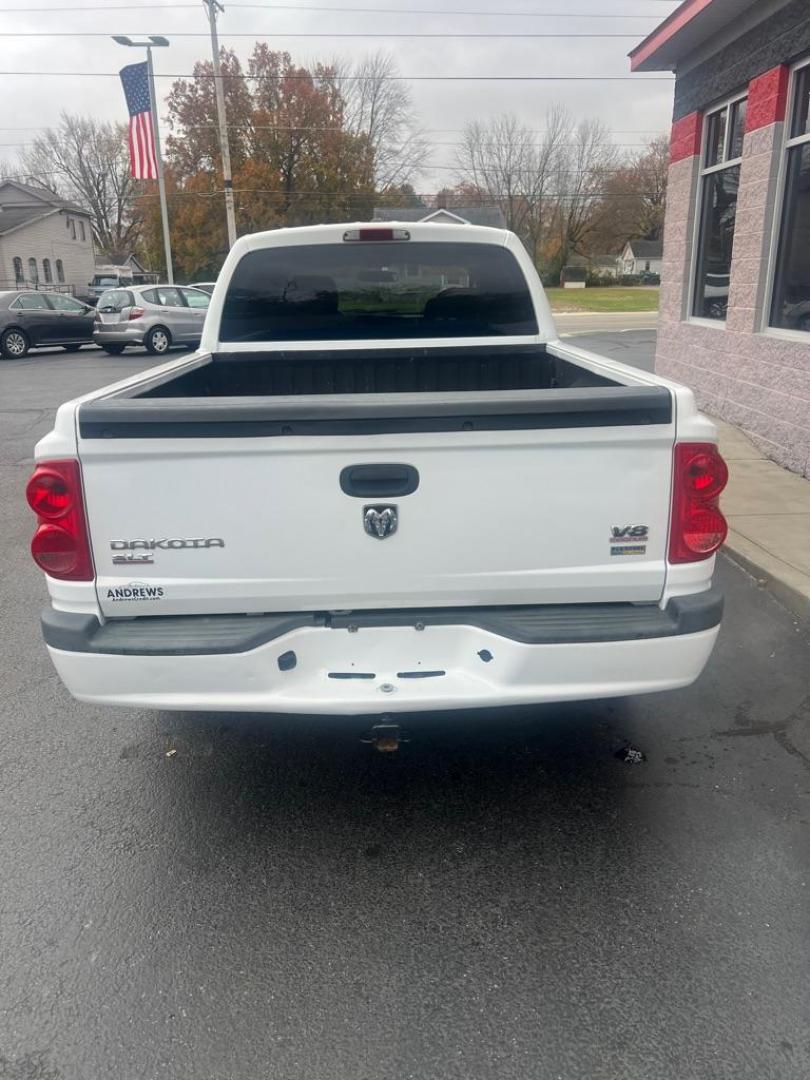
[507, 898]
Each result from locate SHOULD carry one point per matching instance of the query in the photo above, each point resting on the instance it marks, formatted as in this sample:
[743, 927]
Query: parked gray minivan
[155, 316]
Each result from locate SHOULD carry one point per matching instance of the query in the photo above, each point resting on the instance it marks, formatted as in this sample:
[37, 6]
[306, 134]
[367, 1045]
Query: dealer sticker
[136, 590]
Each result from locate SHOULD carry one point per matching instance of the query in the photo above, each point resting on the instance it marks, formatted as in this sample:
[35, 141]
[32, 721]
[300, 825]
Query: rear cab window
[377, 290]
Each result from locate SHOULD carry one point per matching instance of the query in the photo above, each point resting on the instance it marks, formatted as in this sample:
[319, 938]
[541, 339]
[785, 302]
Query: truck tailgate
[255, 523]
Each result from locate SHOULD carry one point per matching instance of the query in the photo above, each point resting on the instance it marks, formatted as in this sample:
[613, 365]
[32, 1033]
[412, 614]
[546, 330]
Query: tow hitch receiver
[385, 737]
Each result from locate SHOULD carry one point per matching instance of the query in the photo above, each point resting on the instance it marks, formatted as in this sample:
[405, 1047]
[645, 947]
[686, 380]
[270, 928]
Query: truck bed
[334, 391]
[376, 371]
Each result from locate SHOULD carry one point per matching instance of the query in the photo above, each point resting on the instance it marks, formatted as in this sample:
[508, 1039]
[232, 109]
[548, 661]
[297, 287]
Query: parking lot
[508, 897]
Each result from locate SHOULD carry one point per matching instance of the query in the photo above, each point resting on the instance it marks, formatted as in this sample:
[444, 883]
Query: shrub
[599, 280]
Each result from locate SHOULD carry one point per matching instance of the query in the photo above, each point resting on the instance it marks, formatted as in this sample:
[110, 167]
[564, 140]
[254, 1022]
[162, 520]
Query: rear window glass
[115, 300]
[355, 291]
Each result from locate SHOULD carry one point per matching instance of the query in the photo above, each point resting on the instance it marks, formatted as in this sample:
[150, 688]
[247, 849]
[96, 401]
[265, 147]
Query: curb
[790, 586]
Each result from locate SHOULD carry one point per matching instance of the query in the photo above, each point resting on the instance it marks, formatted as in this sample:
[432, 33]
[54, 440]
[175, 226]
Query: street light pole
[213, 7]
[155, 40]
[164, 209]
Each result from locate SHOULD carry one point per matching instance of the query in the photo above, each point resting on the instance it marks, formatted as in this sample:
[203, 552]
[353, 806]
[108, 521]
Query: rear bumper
[129, 334]
[384, 662]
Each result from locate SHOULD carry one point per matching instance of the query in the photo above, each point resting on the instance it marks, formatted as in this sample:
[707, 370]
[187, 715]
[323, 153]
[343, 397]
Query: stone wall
[758, 380]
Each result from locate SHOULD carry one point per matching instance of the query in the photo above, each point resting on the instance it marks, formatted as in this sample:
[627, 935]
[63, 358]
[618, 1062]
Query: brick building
[735, 290]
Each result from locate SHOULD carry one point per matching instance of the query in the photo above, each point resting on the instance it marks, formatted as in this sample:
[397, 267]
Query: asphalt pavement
[583, 322]
[633, 346]
[508, 897]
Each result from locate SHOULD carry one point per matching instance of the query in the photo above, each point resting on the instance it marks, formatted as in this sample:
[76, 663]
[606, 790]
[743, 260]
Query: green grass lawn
[609, 299]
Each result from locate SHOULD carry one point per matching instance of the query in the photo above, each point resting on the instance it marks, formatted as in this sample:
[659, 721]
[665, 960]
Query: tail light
[136, 312]
[60, 546]
[698, 528]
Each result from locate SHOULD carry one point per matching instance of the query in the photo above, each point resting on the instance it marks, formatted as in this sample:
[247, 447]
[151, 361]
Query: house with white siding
[642, 257]
[45, 240]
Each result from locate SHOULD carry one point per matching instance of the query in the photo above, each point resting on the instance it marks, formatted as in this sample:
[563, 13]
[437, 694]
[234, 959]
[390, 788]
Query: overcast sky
[634, 110]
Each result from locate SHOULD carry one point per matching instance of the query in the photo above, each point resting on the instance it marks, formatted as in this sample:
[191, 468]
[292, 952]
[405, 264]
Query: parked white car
[371, 493]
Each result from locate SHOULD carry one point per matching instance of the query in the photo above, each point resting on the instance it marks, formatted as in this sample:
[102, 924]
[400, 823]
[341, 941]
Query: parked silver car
[156, 316]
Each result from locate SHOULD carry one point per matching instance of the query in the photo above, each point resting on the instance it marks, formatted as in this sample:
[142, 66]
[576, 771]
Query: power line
[443, 11]
[216, 192]
[430, 142]
[276, 127]
[358, 78]
[484, 170]
[338, 11]
[274, 36]
[28, 177]
[382, 196]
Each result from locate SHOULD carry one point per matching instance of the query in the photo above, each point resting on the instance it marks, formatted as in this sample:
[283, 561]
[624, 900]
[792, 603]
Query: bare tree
[650, 171]
[379, 108]
[88, 161]
[496, 157]
[517, 170]
[541, 195]
[586, 164]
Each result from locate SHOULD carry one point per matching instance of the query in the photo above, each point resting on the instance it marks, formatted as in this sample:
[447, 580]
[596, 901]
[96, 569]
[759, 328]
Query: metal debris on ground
[630, 755]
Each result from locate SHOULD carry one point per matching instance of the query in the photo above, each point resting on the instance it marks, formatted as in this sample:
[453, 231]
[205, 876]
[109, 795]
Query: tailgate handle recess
[378, 481]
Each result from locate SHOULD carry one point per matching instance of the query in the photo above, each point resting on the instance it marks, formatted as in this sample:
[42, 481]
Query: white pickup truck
[382, 484]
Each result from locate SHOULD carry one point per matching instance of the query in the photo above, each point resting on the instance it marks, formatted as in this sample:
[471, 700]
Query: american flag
[142, 156]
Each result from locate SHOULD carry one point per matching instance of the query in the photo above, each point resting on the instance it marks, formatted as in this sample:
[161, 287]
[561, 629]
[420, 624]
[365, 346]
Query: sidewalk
[768, 511]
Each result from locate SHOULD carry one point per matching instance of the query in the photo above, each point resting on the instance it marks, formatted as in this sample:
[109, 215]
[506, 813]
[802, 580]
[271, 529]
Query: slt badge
[131, 547]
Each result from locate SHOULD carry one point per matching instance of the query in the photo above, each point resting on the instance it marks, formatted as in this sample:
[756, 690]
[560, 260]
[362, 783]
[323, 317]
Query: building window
[19, 280]
[790, 306]
[33, 273]
[60, 272]
[719, 184]
[46, 271]
[81, 230]
[73, 228]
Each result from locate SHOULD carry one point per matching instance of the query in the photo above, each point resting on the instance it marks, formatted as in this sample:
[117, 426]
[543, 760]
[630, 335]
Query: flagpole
[164, 210]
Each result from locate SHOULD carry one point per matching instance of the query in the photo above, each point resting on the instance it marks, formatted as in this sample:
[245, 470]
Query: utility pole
[213, 7]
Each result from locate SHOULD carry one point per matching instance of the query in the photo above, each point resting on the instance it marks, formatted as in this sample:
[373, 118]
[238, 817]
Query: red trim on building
[668, 28]
[684, 141]
[767, 98]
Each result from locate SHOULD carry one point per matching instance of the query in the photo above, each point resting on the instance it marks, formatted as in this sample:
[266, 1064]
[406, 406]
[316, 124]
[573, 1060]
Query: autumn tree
[87, 161]
[403, 196]
[295, 159]
[634, 199]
